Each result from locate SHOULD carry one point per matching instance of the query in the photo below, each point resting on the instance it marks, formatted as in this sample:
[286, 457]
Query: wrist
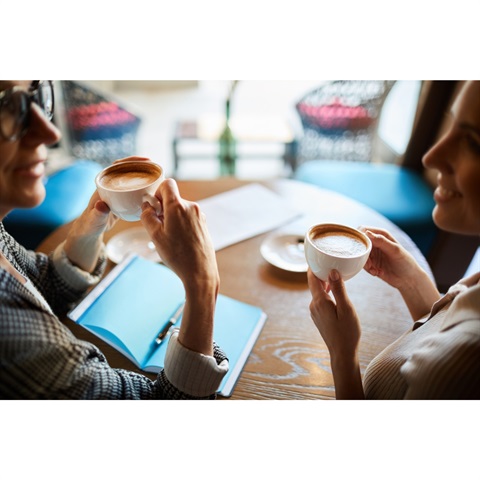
[83, 251]
[196, 329]
[347, 378]
[419, 294]
[344, 362]
[202, 287]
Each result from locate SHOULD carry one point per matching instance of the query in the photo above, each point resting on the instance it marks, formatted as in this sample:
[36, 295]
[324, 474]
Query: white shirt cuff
[191, 372]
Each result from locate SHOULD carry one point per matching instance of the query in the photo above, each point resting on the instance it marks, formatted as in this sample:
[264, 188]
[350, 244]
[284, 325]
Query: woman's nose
[40, 129]
[440, 154]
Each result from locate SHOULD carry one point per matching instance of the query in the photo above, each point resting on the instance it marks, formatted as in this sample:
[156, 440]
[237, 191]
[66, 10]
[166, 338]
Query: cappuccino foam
[339, 244]
[120, 179]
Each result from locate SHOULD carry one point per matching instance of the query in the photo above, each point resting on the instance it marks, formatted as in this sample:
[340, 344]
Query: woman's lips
[34, 170]
[443, 194]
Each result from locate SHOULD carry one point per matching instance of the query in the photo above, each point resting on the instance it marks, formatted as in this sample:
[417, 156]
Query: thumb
[101, 208]
[99, 214]
[337, 286]
[381, 241]
[149, 217]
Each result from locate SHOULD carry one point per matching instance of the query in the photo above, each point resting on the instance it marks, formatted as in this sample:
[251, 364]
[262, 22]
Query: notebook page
[245, 212]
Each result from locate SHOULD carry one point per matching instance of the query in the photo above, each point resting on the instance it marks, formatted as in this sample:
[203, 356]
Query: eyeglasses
[15, 108]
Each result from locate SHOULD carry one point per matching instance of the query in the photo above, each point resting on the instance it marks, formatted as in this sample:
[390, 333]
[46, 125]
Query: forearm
[196, 331]
[347, 379]
[419, 294]
[84, 241]
[84, 251]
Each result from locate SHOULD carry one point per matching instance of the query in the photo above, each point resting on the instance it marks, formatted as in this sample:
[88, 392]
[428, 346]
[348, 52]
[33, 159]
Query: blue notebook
[136, 300]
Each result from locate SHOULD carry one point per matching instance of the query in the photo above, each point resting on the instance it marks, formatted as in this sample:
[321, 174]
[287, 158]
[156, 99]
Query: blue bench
[68, 192]
[398, 193]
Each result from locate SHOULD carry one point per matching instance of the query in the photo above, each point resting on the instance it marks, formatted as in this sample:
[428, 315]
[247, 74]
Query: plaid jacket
[41, 359]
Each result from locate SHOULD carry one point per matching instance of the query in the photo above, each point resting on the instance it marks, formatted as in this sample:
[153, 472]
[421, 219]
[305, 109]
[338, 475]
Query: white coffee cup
[125, 186]
[330, 246]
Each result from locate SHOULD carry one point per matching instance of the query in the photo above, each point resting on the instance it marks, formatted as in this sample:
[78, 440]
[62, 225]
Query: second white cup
[330, 246]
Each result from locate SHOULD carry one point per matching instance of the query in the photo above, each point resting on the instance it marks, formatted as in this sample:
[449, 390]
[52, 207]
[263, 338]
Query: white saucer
[285, 251]
[133, 240]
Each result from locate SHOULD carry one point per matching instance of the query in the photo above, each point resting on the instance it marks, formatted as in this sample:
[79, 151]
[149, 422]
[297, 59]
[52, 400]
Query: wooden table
[290, 359]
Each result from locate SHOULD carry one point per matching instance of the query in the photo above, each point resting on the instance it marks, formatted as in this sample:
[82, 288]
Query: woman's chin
[35, 198]
[453, 223]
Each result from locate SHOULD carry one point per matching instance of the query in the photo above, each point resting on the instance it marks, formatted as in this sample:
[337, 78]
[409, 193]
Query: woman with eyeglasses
[439, 357]
[39, 356]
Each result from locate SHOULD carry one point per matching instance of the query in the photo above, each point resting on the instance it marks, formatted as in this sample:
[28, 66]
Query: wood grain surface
[290, 359]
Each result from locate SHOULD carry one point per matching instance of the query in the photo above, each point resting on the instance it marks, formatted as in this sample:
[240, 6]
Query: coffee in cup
[125, 186]
[330, 246]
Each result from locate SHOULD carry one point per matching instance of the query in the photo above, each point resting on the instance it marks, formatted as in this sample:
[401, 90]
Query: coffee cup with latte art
[125, 186]
[330, 246]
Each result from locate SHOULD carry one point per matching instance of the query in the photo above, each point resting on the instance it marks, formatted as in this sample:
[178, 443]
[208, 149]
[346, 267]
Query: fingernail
[334, 275]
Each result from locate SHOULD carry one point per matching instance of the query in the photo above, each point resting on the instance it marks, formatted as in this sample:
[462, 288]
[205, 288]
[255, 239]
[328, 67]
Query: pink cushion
[336, 116]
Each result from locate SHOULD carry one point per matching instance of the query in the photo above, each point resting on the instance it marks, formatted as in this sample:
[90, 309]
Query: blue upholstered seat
[68, 192]
[398, 193]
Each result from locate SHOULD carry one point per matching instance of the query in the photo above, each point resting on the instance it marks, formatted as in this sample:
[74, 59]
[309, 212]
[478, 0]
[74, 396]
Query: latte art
[339, 244]
[128, 180]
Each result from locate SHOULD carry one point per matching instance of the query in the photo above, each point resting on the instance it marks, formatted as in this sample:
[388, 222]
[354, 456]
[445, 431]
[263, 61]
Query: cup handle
[154, 202]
